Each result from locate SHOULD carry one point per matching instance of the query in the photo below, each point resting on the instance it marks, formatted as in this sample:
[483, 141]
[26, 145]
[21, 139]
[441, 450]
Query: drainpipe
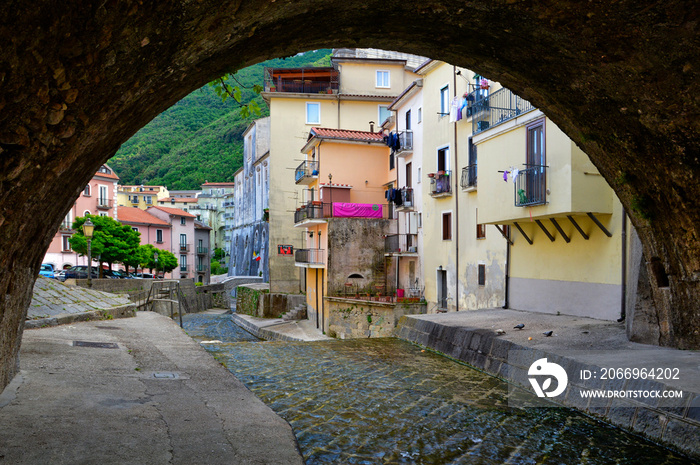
[623, 301]
[316, 273]
[507, 283]
[456, 190]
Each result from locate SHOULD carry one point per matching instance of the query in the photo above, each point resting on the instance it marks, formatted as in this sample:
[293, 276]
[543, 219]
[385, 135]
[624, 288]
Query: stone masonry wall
[351, 318]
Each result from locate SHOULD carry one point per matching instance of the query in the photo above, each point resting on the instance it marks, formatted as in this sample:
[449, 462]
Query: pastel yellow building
[354, 93]
[463, 261]
[344, 217]
[141, 196]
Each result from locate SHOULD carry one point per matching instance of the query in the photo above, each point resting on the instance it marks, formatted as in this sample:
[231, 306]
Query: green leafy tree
[167, 261]
[219, 254]
[112, 241]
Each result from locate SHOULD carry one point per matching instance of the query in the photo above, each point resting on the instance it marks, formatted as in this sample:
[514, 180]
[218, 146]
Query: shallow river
[376, 401]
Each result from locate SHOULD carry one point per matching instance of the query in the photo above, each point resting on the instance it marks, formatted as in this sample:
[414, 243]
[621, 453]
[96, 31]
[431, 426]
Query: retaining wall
[672, 422]
[353, 318]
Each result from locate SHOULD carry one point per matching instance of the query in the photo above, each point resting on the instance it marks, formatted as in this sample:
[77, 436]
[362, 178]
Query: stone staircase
[297, 313]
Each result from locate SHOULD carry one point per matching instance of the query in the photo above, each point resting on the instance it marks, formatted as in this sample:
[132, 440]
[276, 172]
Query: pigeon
[500, 332]
[548, 333]
[520, 326]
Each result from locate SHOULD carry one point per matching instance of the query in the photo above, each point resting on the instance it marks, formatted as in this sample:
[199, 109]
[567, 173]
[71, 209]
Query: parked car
[46, 271]
[121, 274]
[144, 276]
[60, 275]
[80, 272]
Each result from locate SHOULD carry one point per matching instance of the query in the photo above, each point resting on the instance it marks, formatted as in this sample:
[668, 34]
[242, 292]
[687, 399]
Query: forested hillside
[199, 138]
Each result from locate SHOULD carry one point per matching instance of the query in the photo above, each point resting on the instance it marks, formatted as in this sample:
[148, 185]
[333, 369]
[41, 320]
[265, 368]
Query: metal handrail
[440, 183]
[499, 107]
[305, 169]
[310, 256]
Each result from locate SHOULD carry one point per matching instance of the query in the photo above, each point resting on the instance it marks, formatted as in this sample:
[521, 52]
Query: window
[420, 115]
[183, 221]
[384, 113]
[481, 231]
[313, 113]
[148, 199]
[102, 200]
[391, 161]
[409, 174]
[408, 120]
[419, 173]
[445, 101]
[447, 226]
[86, 192]
[382, 79]
[65, 244]
[103, 214]
[482, 274]
[159, 235]
[183, 262]
[442, 288]
[86, 213]
[183, 241]
[470, 173]
[443, 159]
[135, 229]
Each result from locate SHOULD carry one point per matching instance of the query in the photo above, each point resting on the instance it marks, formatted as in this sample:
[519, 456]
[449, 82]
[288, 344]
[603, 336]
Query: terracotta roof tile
[343, 134]
[174, 211]
[136, 215]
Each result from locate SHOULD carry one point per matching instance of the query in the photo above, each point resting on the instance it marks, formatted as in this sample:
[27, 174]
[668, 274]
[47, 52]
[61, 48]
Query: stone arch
[620, 79]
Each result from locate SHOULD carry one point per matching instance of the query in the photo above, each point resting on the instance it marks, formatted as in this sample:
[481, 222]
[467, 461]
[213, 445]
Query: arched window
[86, 192]
[86, 212]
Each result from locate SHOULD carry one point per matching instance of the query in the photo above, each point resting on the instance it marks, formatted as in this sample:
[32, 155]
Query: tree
[112, 241]
[167, 261]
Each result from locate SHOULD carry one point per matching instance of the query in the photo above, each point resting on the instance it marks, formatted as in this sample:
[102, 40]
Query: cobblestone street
[388, 401]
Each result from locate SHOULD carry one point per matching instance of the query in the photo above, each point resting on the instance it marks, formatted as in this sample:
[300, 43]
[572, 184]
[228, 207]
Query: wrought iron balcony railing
[202, 250]
[104, 203]
[309, 256]
[306, 171]
[499, 107]
[405, 142]
[184, 247]
[318, 210]
[401, 243]
[531, 186]
[440, 184]
[468, 176]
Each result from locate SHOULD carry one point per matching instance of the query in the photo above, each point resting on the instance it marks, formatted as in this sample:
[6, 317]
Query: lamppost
[155, 256]
[88, 231]
[330, 189]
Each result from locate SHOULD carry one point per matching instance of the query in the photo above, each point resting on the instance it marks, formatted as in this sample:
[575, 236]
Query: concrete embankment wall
[673, 422]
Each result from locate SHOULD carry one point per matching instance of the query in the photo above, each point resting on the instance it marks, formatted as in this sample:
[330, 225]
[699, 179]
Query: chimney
[371, 126]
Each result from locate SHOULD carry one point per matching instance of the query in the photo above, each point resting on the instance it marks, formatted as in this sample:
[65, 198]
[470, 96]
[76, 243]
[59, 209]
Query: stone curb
[121, 311]
[676, 427]
[262, 333]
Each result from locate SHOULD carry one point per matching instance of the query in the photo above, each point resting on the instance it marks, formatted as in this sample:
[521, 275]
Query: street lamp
[88, 231]
[155, 256]
[330, 190]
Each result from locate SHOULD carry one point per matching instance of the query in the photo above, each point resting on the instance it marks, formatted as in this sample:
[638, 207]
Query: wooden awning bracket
[578, 228]
[599, 224]
[503, 233]
[529, 241]
[547, 233]
[561, 231]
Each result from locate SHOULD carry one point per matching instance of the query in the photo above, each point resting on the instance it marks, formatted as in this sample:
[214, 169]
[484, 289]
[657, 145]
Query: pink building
[154, 230]
[98, 198]
[182, 237]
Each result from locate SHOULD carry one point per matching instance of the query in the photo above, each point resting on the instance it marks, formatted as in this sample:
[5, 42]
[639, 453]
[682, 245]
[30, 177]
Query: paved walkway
[146, 394]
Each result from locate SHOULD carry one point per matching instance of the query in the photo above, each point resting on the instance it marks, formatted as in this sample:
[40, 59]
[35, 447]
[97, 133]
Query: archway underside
[621, 79]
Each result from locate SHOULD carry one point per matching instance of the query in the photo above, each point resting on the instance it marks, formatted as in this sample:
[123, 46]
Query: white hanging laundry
[454, 108]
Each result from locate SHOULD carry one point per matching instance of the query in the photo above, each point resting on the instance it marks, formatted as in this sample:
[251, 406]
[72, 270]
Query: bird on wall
[520, 326]
[548, 333]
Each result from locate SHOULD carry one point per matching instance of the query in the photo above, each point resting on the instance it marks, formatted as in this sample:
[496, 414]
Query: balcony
[184, 268]
[531, 186]
[468, 180]
[405, 144]
[202, 250]
[201, 269]
[310, 80]
[135, 199]
[404, 199]
[66, 226]
[440, 185]
[306, 172]
[309, 258]
[104, 204]
[318, 213]
[184, 248]
[499, 107]
[401, 244]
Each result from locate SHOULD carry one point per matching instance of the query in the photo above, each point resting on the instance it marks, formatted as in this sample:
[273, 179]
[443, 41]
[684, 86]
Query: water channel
[386, 401]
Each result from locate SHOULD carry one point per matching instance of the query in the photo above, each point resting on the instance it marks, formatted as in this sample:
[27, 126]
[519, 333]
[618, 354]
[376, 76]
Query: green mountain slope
[199, 138]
